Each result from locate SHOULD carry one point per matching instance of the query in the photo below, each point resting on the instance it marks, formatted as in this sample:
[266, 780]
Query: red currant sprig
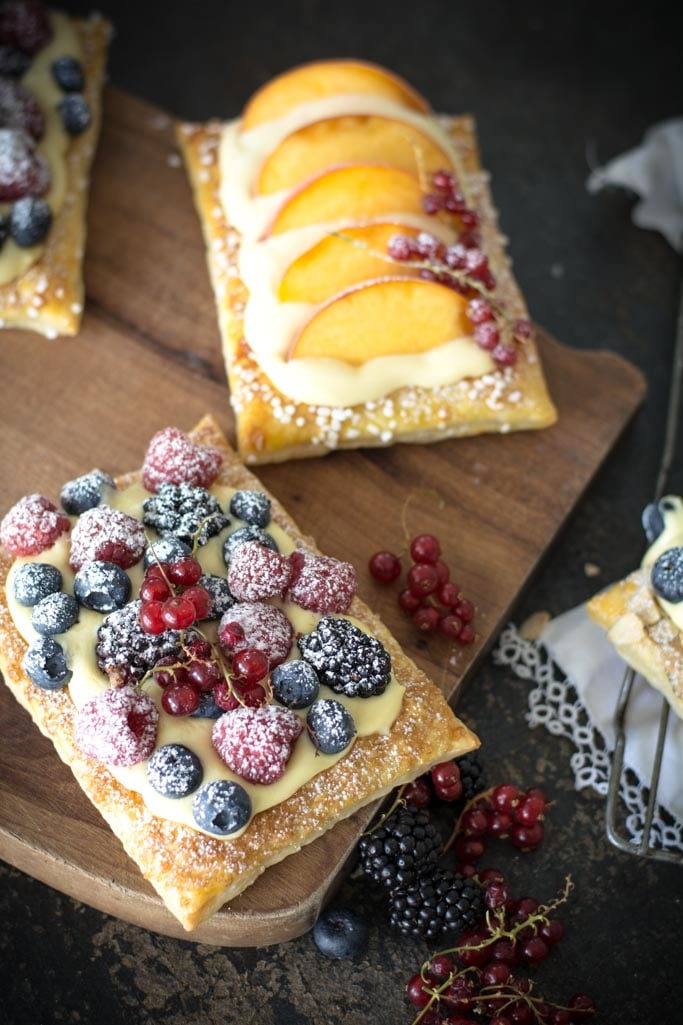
[171, 598]
[499, 813]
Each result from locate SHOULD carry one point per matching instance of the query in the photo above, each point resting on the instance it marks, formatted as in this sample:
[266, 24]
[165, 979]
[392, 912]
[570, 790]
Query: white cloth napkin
[653, 170]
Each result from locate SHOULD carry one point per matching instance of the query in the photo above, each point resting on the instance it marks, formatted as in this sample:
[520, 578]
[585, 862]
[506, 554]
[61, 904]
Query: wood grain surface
[149, 356]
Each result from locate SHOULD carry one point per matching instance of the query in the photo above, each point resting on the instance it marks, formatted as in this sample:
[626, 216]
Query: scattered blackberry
[348, 660]
[472, 775]
[123, 646]
[434, 904]
[186, 512]
[402, 850]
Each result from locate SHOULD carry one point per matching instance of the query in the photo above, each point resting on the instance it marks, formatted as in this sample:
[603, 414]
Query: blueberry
[13, 63]
[174, 770]
[55, 613]
[35, 580]
[222, 597]
[30, 221]
[207, 709]
[295, 684]
[244, 534]
[221, 807]
[68, 74]
[166, 549]
[75, 111]
[102, 586]
[667, 575]
[340, 933]
[45, 664]
[252, 507]
[653, 521]
[85, 492]
[331, 725]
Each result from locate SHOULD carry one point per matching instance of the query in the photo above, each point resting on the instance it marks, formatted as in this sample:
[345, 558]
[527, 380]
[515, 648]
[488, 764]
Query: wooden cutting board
[149, 356]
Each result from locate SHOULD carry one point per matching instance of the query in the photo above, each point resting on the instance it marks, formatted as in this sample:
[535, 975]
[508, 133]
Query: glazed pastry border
[49, 297]
[193, 873]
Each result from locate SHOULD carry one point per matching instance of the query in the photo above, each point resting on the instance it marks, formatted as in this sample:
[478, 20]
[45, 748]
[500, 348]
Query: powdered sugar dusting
[257, 573]
[118, 727]
[109, 535]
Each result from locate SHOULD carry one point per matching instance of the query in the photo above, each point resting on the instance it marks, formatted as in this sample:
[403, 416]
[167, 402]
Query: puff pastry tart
[363, 291]
[52, 68]
[218, 689]
[643, 614]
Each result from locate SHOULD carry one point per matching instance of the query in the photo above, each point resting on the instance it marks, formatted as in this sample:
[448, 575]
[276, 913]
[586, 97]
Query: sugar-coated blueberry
[102, 586]
[85, 492]
[295, 684]
[45, 664]
[207, 708]
[242, 536]
[174, 770]
[667, 575]
[76, 115]
[221, 807]
[652, 521]
[251, 506]
[340, 933]
[30, 221]
[166, 549]
[331, 726]
[68, 74]
[221, 596]
[55, 613]
[35, 580]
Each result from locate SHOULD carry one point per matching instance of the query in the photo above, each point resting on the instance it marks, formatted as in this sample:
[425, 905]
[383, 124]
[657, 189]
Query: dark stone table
[555, 89]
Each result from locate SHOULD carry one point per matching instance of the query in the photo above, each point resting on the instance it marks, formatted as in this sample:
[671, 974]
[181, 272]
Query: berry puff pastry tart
[52, 68]
[217, 687]
[643, 614]
[363, 290]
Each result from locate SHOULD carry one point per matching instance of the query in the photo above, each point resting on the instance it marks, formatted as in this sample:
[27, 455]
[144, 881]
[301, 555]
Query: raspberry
[256, 572]
[23, 171]
[24, 24]
[32, 525]
[256, 743]
[264, 627]
[20, 109]
[118, 727]
[320, 583]
[172, 457]
[108, 535]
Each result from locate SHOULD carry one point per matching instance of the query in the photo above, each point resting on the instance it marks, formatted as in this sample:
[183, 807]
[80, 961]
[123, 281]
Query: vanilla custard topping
[671, 508]
[271, 325]
[15, 260]
[371, 715]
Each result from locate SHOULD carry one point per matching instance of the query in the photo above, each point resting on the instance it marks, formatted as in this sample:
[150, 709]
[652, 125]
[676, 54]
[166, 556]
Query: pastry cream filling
[671, 537]
[16, 260]
[371, 715]
[270, 325]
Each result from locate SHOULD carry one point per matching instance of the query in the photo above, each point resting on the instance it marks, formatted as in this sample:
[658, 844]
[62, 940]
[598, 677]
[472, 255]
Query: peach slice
[339, 261]
[351, 139]
[353, 192]
[319, 79]
[394, 317]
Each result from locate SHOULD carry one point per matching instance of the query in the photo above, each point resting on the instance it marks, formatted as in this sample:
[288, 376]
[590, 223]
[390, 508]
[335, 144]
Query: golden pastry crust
[273, 428]
[645, 637]
[49, 297]
[193, 873]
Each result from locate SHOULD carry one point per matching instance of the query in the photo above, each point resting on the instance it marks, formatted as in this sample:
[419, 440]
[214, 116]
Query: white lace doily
[559, 702]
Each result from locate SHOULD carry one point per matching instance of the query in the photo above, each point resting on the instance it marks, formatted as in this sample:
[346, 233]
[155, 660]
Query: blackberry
[472, 775]
[185, 512]
[438, 903]
[124, 647]
[348, 660]
[402, 850]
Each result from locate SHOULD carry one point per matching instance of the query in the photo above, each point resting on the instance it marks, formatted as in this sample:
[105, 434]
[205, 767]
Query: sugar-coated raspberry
[263, 627]
[20, 109]
[118, 727]
[256, 743]
[256, 572]
[32, 525]
[25, 24]
[320, 583]
[23, 171]
[173, 458]
[108, 535]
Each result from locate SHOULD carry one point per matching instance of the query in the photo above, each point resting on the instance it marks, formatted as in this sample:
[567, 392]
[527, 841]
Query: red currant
[469, 848]
[185, 571]
[425, 548]
[497, 895]
[231, 635]
[529, 810]
[527, 838]
[471, 952]
[474, 821]
[496, 974]
[204, 675]
[180, 699]
[443, 572]
[581, 1006]
[533, 949]
[200, 598]
[253, 695]
[451, 626]
[551, 931]
[178, 613]
[500, 824]
[224, 696]
[449, 594]
[151, 618]
[440, 967]
[423, 579]
[408, 601]
[250, 665]
[385, 567]
[464, 609]
[154, 589]
[426, 618]
[505, 797]
[467, 634]
[418, 793]
[416, 991]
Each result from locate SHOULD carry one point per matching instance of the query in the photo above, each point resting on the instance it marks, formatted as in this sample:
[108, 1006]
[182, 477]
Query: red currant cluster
[500, 813]
[164, 606]
[432, 600]
[483, 978]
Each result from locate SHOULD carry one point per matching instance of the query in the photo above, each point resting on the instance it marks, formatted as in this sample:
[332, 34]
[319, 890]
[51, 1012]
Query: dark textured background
[555, 89]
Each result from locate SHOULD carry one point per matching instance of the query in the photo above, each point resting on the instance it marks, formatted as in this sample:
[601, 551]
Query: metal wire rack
[645, 847]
